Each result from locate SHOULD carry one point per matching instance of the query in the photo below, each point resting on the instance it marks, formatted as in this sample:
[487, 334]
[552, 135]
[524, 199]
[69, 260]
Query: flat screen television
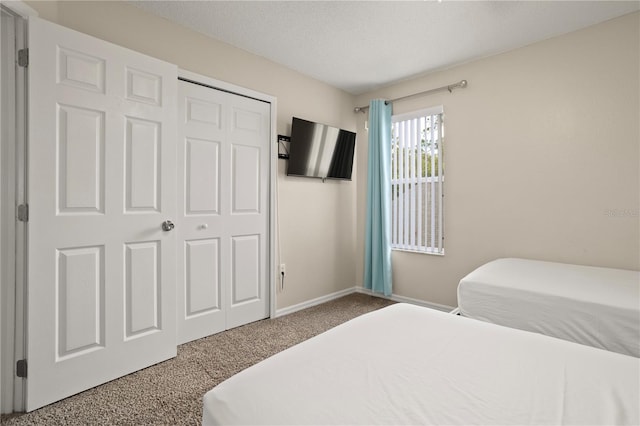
[320, 151]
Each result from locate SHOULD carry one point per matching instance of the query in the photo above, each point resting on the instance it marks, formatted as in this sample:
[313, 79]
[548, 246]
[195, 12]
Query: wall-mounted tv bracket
[283, 146]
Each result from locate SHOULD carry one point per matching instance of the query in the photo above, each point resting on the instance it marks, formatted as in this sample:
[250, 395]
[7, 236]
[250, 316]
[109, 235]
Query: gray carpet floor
[170, 393]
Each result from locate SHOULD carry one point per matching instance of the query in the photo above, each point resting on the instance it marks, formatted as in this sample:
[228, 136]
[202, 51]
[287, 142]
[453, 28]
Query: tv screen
[320, 151]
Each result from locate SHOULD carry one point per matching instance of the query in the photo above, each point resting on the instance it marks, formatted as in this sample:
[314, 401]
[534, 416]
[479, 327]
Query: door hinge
[21, 368]
[23, 212]
[23, 57]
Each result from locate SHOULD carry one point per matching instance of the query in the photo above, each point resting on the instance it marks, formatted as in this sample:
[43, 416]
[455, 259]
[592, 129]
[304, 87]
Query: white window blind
[417, 181]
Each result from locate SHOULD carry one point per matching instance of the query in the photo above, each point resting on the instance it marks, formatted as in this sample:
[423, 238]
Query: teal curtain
[377, 261]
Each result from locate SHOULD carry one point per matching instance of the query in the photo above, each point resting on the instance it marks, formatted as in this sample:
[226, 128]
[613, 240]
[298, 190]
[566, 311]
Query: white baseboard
[313, 302]
[402, 299]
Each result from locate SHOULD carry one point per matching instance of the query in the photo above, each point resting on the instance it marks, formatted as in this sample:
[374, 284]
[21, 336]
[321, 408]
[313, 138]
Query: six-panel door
[223, 184]
[101, 180]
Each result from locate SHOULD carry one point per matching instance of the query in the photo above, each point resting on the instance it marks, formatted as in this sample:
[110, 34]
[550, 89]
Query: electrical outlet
[283, 270]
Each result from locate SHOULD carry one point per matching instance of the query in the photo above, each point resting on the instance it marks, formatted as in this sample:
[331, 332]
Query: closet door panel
[201, 202]
[223, 186]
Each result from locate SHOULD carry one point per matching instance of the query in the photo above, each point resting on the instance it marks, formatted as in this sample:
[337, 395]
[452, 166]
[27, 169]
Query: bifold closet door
[223, 187]
[101, 182]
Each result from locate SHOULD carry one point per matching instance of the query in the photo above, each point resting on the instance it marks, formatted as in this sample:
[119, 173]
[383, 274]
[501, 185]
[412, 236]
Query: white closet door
[101, 284]
[201, 228]
[248, 210]
[223, 185]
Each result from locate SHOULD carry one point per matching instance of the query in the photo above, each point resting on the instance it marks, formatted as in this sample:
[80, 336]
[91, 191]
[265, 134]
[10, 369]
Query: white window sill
[432, 253]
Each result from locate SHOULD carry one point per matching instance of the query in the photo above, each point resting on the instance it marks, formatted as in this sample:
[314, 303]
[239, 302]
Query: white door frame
[272, 101]
[12, 320]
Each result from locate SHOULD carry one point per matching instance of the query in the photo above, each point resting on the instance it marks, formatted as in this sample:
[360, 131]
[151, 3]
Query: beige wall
[316, 219]
[540, 148]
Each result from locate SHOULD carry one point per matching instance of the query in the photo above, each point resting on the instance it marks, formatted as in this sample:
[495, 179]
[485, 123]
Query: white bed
[598, 307]
[406, 364]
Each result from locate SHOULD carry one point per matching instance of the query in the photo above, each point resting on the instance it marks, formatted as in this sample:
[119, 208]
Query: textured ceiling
[359, 46]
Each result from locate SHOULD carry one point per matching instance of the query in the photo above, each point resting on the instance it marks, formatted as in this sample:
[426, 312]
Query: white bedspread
[599, 307]
[411, 365]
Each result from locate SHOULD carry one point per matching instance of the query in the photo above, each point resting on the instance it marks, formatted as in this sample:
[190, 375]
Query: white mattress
[406, 364]
[598, 307]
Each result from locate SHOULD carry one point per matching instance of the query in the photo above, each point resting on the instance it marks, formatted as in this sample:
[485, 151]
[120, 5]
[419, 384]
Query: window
[417, 181]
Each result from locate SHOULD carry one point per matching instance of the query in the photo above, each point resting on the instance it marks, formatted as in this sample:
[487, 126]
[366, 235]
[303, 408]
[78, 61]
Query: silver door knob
[167, 225]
